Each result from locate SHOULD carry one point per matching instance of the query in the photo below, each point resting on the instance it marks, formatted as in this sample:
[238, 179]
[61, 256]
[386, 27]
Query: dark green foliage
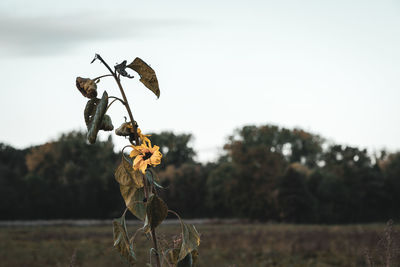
[63, 179]
[156, 211]
[185, 189]
[295, 145]
[12, 171]
[267, 173]
[296, 204]
[390, 166]
[220, 183]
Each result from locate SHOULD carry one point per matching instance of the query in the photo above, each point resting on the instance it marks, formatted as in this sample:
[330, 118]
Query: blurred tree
[390, 166]
[267, 173]
[257, 165]
[295, 145]
[12, 186]
[76, 179]
[185, 189]
[220, 189]
[362, 186]
[296, 204]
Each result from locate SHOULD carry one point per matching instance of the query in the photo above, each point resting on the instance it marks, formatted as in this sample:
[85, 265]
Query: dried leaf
[172, 255]
[121, 176]
[87, 87]
[90, 112]
[147, 75]
[125, 129]
[96, 122]
[106, 124]
[121, 240]
[156, 211]
[190, 240]
[133, 198]
[136, 176]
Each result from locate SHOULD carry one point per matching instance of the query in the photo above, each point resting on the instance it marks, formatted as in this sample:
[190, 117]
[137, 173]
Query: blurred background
[278, 122]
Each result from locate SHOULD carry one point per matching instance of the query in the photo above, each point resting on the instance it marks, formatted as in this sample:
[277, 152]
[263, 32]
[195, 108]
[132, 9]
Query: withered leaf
[186, 254]
[121, 240]
[156, 211]
[190, 240]
[96, 121]
[172, 255]
[90, 111]
[106, 124]
[133, 198]
[121, 176]
[147, 75]
[87, 87]
[125, 129]
[126, 175]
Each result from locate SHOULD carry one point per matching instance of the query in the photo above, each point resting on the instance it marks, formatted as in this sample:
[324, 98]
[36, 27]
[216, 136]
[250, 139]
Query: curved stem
[117, 98]
[102, 76]
[109, 105]
[176, 214]
[123, 155]
[134, 235]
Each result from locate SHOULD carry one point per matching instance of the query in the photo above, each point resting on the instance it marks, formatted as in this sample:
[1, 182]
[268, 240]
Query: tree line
[266, 173]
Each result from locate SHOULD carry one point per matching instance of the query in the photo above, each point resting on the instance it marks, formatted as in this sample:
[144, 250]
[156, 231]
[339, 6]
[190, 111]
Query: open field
[222, 245]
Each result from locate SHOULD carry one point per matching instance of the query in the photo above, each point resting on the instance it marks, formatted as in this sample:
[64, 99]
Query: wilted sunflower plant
[136, 175]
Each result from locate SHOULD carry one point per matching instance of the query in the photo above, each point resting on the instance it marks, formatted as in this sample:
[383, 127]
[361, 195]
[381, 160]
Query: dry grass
[222, 245]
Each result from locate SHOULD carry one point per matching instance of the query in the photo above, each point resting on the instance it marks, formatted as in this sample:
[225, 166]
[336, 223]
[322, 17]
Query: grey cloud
[51, 35]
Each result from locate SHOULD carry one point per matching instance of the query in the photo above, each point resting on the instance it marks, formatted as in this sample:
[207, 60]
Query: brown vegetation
[222, 245]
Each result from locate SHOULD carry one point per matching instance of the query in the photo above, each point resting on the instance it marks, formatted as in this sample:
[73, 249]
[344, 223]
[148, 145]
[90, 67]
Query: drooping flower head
[145, 155]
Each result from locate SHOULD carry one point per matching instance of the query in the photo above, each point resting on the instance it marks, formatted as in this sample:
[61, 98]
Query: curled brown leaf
[87, 87]
[147, 75]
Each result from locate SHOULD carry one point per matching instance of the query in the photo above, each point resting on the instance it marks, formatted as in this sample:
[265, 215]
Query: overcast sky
[329, 67]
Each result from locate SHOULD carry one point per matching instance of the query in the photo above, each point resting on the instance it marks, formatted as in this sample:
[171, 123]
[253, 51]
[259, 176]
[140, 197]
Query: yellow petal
[137, 161]
[145, 139]
[155, 159]
[134, 153]
[143, 167]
